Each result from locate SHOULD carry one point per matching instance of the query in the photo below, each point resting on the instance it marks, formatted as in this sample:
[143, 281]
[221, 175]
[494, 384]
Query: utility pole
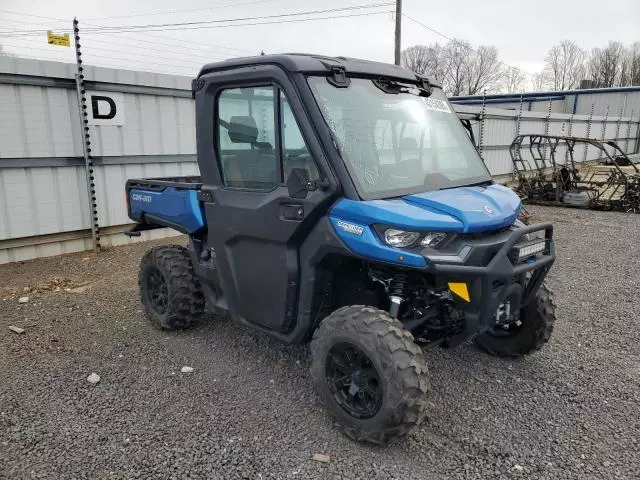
[398, 30]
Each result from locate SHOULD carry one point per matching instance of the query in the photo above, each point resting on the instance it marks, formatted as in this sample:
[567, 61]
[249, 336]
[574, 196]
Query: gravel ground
[249, 411]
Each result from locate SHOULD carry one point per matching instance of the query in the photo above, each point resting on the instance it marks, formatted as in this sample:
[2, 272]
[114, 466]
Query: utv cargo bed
[165, 202]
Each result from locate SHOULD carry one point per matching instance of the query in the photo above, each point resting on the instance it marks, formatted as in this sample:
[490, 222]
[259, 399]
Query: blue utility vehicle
[341, 202]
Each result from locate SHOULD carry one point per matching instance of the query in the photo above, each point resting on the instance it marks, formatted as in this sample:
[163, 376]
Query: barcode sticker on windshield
[437, 105]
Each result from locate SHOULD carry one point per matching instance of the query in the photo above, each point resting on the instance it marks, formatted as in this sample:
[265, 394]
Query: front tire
[537, 320]
[169, 289]
[369, 373]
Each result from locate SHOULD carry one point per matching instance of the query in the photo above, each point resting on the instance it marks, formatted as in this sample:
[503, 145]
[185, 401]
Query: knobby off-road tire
[399, 363]
[185, 300]
[537, 319]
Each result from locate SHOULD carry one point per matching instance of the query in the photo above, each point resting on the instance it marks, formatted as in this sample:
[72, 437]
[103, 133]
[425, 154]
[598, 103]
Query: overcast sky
[522, 32]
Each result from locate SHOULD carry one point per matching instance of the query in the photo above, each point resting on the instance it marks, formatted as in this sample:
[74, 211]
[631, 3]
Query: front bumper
[497, 277]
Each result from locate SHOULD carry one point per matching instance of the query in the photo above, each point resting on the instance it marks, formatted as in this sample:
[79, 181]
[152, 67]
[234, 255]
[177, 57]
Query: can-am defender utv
[341, 202]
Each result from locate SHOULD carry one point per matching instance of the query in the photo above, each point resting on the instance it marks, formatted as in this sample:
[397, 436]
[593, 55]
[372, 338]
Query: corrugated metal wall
[622, 101]
[154, 125]
[615, 102]
[43, 192]
[499, 128]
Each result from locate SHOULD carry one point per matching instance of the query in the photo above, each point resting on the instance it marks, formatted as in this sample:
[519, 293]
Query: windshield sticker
[437, 105]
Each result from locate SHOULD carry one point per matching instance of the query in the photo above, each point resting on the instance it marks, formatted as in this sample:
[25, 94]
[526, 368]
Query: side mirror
[298, 183]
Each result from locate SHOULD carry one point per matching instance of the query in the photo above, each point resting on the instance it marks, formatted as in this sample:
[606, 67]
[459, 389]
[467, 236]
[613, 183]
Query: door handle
[205, 196]
[292, 211]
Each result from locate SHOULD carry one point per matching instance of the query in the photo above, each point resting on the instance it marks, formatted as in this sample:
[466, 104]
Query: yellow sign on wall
[61, 40]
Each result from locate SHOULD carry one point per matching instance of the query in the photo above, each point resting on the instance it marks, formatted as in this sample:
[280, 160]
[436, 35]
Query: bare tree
[457, 66]
[605, 64]
[513, 80]
[416, 59]
[439, 65]
[630, 67]
[428, 61]
[540, 82]
[483, 70]
[565, 65]
[457, 57]
[634, 64]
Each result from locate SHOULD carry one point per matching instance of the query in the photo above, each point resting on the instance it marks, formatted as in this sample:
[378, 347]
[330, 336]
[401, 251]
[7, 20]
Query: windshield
[398, 143]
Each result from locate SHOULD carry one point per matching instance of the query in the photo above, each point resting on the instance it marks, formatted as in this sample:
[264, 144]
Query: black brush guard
[489, 285]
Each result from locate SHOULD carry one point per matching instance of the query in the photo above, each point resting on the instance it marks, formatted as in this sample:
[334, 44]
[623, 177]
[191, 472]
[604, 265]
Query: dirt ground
[248, 410]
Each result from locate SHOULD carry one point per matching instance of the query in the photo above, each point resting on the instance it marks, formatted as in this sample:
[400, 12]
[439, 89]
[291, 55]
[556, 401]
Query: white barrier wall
[43, 190]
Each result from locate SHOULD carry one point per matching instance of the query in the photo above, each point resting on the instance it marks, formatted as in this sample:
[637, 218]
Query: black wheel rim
[353, 381]
[157, 291]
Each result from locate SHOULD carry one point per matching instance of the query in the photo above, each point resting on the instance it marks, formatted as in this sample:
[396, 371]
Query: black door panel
[256, 234]
[257, 251]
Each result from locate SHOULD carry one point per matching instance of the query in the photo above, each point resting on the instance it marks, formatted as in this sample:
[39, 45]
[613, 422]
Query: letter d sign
[106, 108]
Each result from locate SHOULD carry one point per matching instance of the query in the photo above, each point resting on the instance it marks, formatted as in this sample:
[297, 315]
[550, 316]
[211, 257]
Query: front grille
[483, 235]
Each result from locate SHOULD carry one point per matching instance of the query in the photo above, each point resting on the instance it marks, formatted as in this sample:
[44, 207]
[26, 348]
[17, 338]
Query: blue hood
[462, 210]
[477, 208]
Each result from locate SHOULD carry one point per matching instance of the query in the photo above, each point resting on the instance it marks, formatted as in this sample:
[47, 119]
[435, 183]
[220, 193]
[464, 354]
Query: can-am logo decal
[489, 210]
[141, 198]
[350, 227]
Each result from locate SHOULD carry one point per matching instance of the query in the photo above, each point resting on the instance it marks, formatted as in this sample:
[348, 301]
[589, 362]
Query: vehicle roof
[315, 64]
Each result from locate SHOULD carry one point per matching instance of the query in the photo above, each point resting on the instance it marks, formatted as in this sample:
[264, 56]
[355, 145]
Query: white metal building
[44, 208]
[615, 102]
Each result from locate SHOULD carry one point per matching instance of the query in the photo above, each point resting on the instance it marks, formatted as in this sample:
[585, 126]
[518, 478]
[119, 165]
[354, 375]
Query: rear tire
[169, 289]
[538, 318]
[395, 362]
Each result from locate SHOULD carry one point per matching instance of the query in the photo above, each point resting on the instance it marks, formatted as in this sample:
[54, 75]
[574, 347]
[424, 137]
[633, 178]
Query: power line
[170, 12]
[185, 72]
[129, 42]
[36, 48]
[32, 15]
[428, 27]
[262, 17]
[137, 58]
[133, 48]
[164, 51]
[154, 42]
[183, 25]
[451, 39]
[300, 20]
[100, 30]
[184, 67]
[177, 69]
[42, 25]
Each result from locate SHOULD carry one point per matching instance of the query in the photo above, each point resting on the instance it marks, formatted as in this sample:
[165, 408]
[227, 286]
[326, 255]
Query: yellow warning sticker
[461, 290]
[61, 40]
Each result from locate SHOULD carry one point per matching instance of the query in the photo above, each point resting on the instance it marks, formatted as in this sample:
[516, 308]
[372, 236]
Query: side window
[247, 138]
[295, 153]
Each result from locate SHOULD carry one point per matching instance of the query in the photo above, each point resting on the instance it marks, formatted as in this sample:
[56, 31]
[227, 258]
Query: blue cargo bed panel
[157, 202]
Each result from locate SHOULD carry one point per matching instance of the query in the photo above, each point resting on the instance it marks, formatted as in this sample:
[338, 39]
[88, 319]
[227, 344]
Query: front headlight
[400, 238]
[431, 239]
